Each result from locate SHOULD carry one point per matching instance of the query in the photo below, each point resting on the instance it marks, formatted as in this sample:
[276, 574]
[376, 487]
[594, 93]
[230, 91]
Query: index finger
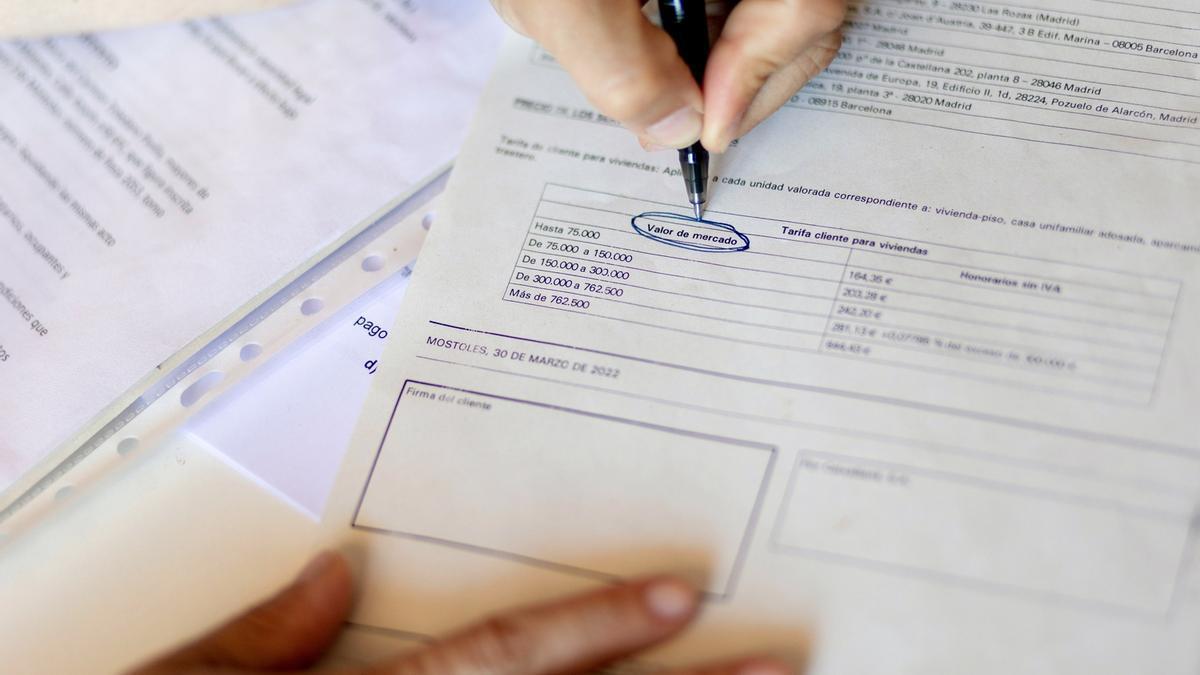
[626, 66]
[573, 635]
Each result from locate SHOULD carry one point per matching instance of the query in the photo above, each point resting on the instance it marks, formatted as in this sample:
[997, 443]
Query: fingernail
[670, 599]
[677, 130]
[650, 146]
[316, 567]
[764, 667]
[729, 134]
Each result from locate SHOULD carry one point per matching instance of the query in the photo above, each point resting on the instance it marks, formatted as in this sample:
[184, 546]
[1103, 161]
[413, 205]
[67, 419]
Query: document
[918, 395]
[288, 424]
[153, 181]
[47, 17]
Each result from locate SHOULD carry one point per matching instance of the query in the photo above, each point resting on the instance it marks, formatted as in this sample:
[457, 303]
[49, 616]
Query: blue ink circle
[743, 243]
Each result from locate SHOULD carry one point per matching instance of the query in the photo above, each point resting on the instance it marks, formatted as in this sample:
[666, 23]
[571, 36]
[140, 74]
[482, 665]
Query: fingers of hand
[573, 635]
[627, 67]
[766, 45]
[754, 666]
[785, 82]
[290, 630]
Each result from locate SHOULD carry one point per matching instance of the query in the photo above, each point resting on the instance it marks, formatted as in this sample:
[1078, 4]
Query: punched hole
[372, 263]
[311, 306]
[200, 387]
[250, 351]
[127, 446]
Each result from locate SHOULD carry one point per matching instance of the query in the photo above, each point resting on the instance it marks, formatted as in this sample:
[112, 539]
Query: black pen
[687, 24]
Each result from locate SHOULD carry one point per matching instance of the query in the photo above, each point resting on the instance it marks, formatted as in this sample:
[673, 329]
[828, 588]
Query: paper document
[918, 396]
[290, 422]
[153, 181]
[18, 18]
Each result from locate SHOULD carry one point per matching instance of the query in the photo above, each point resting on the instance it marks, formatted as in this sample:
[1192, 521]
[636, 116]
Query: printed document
[153, 181]
[919, 395]
[288, 424]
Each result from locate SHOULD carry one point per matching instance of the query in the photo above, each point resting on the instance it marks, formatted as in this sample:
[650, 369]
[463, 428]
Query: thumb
[626, 66]
[290, 630]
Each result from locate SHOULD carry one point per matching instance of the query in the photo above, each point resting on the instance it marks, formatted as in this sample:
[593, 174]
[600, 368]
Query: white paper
[153, 181]
[288, 424]
[22, 19]
[940, 417]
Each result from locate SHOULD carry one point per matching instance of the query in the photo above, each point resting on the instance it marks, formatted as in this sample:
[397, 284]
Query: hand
[293, 629]
[629, 69]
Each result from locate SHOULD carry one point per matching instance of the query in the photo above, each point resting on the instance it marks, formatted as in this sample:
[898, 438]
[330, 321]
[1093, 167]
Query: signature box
[572, 490]
[972, 531]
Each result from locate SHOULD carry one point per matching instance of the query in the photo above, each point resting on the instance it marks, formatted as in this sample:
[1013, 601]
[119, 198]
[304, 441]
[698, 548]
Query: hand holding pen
[631, 70]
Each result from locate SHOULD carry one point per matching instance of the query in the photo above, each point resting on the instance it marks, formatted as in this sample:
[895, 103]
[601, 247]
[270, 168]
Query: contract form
[919, 395]
[153, 181]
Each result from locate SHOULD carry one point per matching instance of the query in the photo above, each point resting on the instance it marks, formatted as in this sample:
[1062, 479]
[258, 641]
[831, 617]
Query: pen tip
[699, 211]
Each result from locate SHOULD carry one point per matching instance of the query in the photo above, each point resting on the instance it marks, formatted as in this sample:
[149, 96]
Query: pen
[687, 24]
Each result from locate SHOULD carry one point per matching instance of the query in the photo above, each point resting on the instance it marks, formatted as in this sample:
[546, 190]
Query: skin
[292, 630]
[630, 71]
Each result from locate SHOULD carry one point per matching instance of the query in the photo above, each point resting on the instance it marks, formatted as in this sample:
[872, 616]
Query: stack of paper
[154, 182]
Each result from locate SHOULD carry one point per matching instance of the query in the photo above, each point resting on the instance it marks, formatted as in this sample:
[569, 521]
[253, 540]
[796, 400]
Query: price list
[983, 315]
